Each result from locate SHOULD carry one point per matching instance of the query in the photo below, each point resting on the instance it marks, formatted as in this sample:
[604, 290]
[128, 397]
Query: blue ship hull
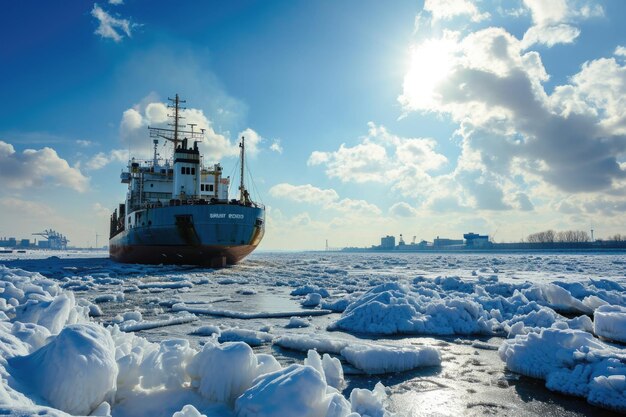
[213, 235]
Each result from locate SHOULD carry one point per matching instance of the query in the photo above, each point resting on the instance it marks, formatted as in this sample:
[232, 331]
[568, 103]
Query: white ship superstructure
[178, 211]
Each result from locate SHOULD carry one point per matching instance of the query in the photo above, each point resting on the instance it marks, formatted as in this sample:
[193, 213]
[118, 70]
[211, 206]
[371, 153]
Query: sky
[362, 118]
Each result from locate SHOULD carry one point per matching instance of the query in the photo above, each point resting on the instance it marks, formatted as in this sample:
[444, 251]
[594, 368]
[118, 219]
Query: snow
[208, 330]
[250, 337]
[75, 372]
[369, 403]
[165, 367]
[610, 322]
[379, 359]
[304, 342]
[537, 307]
[170, 320]
[393, 308]
[165, 285]
[246, 315]
[312, 300]
[221, 383]
[329, 367]
[296, 323]
[572, 362]
[310, 289]
[188, 411]
[109, 298]
[295, 391]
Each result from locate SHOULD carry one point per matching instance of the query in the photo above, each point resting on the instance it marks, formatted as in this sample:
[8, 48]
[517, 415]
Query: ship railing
[192, 202]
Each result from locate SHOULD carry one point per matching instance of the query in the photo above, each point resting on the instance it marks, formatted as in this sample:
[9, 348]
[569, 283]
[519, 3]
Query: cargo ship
[177, 211]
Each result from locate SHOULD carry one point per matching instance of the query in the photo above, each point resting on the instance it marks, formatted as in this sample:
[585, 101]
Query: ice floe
[609, 321]
[246, 315]
[380, 359]
[169, 320]
[571, 362]
[54, 360]
[250, 337]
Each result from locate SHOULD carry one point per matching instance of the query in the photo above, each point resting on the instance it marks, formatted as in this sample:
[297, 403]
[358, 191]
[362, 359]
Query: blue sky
[365, 118]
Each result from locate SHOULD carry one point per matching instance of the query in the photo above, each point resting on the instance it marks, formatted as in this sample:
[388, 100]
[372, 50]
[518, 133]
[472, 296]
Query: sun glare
[431, 62]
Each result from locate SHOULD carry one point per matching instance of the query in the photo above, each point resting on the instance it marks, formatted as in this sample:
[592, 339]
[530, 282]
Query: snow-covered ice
[380, 359]
[609, 321]
[421, 323]
[572, 362]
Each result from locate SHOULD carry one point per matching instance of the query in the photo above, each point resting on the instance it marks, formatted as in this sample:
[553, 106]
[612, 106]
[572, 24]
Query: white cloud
[620, 51]
[276, 146]
[402, 209]
[550, 35]
[304, 193]
[380, 157]
[352, 207]
[507, 120]
[553, 20]
[448, 9]
[102, 159]
[327, 198]
[596, 92]
[109, 26]
[150, 113]
[252, 140]
[365, 162]
[100, 211]
[547, 12]
[84, 143]
[37, 167]
[116, 2]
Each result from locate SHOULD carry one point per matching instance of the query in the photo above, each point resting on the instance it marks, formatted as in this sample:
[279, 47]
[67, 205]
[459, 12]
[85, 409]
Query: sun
[430, 64]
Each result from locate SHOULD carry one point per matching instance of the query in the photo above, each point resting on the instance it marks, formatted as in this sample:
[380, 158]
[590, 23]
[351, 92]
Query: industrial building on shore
[53, 240]
[476, 242]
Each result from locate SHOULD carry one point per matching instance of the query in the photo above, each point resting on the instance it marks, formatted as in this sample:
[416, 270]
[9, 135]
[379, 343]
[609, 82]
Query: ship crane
[56, 240]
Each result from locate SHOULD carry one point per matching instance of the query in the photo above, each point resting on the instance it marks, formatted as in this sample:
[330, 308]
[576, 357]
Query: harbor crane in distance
[56, 240]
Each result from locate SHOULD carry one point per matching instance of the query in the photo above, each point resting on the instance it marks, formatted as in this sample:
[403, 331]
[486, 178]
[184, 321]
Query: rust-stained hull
[211, 256]
[207, 235]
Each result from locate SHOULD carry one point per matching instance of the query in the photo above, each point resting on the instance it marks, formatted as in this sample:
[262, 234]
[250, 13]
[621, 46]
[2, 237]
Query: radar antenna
[172, 135]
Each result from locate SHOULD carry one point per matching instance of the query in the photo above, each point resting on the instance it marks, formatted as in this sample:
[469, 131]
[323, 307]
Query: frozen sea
[528, 334]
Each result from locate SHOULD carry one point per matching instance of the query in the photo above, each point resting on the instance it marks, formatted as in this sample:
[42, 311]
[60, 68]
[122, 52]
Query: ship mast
[172, 135]
[242, 189]
[176, 117]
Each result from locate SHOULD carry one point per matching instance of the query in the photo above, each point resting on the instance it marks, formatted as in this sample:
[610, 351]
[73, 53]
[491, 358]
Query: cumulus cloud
[550, 35]
[304, 193]
[102, 159]
[402, 209]
[620, 51]
[38, 167]
[152, 113]
[110, 27]
[380, 157]
[276, 146]
[352, 207]
[327, 198]
[448, 9]
[553, 20]
[495, 92]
